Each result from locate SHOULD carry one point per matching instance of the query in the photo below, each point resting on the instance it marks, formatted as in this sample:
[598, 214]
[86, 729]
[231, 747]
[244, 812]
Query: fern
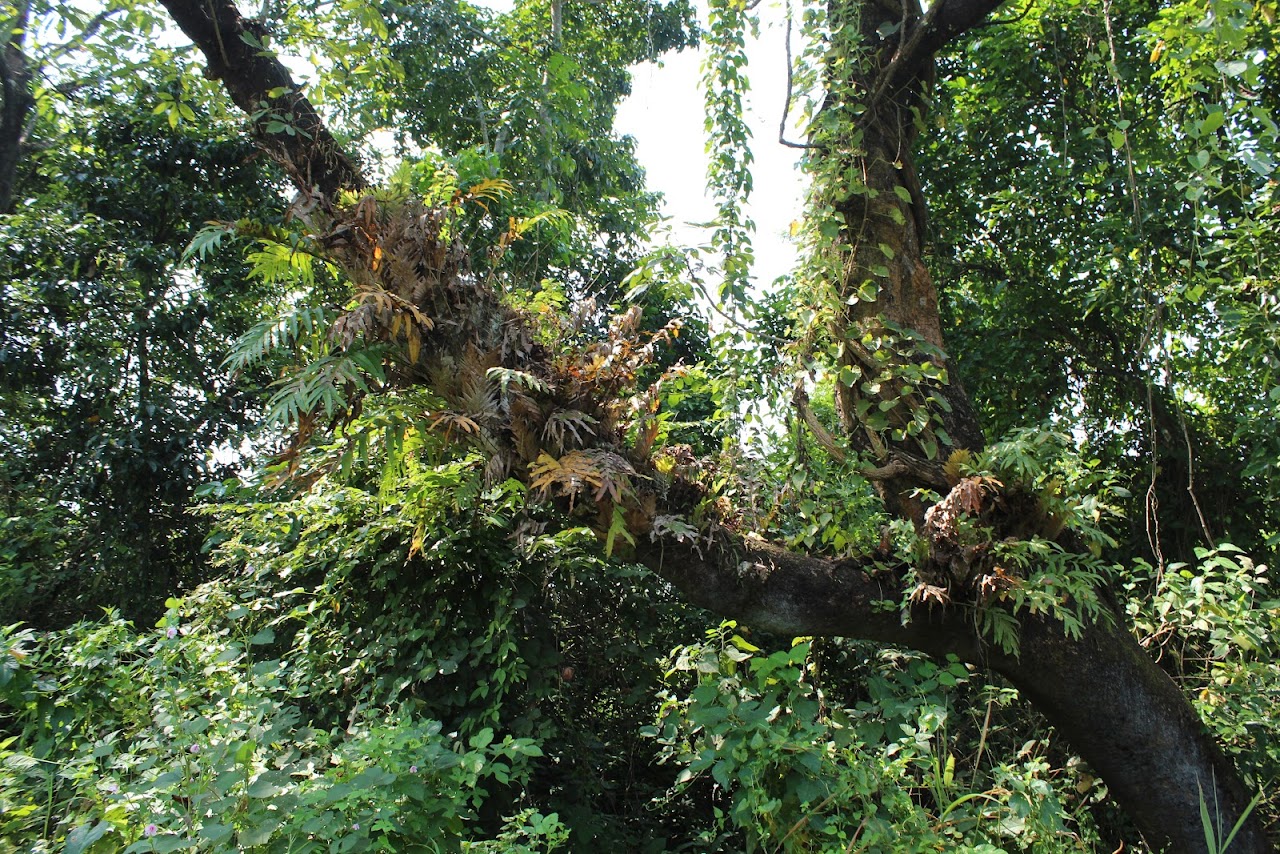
[208, 239]
[1057, 583]
[557, 217]
[604, 472]
[275, 333]
[488, 190]
[617, 528]
[507, 376]
[324, 386]
[568, 426]
[279, 262]
[451, 421]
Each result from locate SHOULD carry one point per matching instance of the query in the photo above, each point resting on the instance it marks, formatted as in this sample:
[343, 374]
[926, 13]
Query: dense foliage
[111, 411]
[296, 554]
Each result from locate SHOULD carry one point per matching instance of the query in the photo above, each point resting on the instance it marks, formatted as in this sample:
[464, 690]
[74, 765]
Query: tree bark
[16, 102]
[285, 123]
[1116, 707]
[1106, 695]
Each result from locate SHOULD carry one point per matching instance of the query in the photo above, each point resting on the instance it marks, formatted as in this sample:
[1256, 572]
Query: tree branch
[284, 122]
[786, 106]
[944, 21]
[954, 19]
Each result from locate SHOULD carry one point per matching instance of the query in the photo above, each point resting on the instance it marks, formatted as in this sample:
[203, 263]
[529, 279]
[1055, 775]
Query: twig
[786, 107]
[999, 22]
[800, 398]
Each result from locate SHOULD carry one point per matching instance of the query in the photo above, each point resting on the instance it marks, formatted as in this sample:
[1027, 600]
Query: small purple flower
[195, 748]
[413, 769]
[355, 825]
[112, 787]
[171, 632]
[150, 830]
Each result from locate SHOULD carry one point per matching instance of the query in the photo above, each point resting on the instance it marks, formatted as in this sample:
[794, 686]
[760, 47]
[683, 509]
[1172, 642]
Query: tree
[111, 413]
[905, 421]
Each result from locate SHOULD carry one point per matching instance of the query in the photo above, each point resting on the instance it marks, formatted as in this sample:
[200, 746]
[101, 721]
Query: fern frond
[617, 528]
[506, 376]
[208, 239]
[324, 385]
[564, 424]
[490, 189]
[607, 474]
[276, 333]
[278, 262]
[451, 420]
[557, 217]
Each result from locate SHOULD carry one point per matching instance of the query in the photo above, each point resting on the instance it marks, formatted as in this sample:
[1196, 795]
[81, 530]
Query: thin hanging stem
[786, 107]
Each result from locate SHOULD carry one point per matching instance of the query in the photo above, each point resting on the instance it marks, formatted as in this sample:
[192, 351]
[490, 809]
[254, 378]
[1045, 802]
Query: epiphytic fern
[567, 427]
[276, 333]
[606, 474]
[324, 385]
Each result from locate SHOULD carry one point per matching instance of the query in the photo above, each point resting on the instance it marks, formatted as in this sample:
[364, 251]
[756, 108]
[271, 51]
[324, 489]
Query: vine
[729, 144]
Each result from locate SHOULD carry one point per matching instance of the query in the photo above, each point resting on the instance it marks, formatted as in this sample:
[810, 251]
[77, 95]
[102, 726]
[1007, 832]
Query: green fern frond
[557, 217]
[279, 262]
[208, 239]
[506, 376]
[324, 386]
[275, 333]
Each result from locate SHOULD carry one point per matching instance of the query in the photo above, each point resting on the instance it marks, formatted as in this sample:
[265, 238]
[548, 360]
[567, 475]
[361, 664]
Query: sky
[665, 115]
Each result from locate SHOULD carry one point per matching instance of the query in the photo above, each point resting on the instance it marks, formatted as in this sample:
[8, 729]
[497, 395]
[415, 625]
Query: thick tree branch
[284, 122]
[790, 594]
[953, 19]
[943, 22]
[1102, 691]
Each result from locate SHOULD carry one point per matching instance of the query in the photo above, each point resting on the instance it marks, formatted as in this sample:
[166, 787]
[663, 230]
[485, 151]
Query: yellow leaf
[415, 345]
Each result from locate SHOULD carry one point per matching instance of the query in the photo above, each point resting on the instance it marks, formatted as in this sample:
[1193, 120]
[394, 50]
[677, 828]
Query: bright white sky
[665, 115]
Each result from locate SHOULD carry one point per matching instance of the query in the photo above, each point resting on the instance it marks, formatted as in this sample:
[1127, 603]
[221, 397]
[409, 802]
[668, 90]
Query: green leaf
[163, 843]
[259, 833]
[216, 833]
[80, 839]
[267, 785]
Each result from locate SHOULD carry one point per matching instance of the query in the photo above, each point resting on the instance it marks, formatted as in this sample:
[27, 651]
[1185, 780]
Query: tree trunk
[1116, 707]
[1133, 725]
[1106, 695]
[1103, 692]
[16, 102]
[285, 123]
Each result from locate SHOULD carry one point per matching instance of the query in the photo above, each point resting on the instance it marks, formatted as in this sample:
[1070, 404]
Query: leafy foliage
[1215, 625]
[1127, 300]
[184, 738]
[110, 409]
[797, 770]
[433, 444]
[535, 104]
